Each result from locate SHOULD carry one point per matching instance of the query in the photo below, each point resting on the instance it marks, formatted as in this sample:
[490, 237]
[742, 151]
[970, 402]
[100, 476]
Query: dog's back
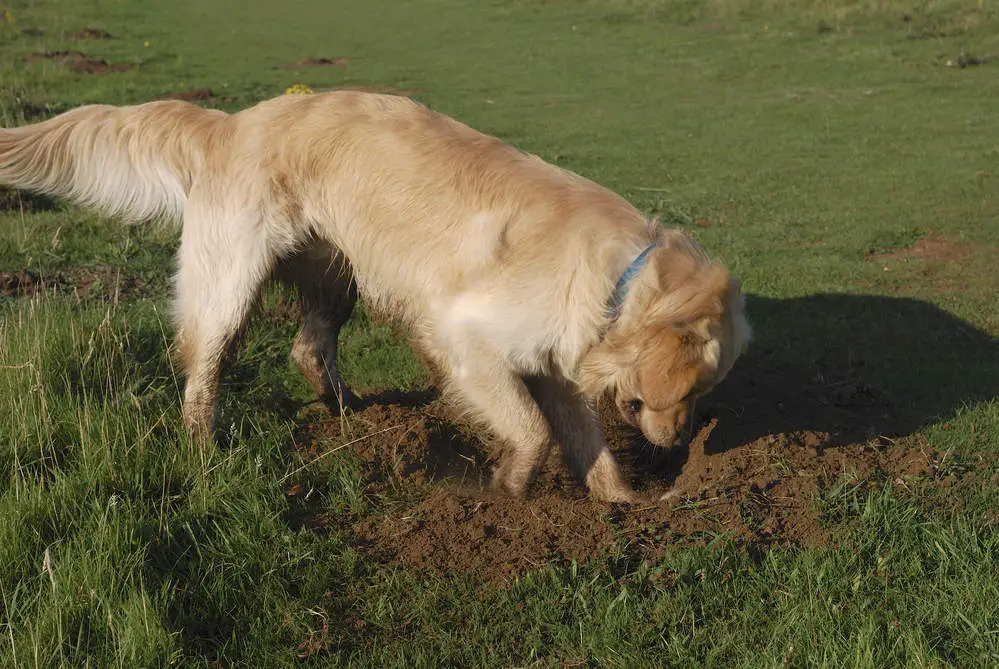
[384, 178]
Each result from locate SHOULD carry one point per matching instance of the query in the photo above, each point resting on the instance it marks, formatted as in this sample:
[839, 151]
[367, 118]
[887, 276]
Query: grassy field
[842, 158]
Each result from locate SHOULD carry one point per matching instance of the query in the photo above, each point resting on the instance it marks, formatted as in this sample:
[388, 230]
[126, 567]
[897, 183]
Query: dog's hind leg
[577, 430]
[327, 296]
[222, 264]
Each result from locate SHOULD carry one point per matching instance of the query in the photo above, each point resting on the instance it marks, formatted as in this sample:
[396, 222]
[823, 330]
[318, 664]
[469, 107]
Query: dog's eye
[634, 405]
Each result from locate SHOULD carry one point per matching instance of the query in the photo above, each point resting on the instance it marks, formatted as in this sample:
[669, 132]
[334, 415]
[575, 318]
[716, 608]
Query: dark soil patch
[91, 33]
[102, 281]
[80, 62]
[318, 62]
[14, 201]
[781, 449]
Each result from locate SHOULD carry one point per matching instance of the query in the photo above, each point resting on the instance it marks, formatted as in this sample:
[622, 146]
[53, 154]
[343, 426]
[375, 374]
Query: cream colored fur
[500, 263]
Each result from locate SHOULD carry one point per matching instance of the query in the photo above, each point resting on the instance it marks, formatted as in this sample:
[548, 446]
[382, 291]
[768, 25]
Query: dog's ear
[608, 366]
[698, 305]
[669, 365]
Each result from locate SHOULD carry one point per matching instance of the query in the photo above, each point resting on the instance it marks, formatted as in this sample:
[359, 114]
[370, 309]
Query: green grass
[794, 140]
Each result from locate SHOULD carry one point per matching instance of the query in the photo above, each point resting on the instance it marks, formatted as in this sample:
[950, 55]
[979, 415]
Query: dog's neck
[616, 300]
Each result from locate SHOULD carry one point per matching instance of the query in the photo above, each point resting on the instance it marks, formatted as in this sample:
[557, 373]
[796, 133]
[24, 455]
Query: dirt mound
[768, 491]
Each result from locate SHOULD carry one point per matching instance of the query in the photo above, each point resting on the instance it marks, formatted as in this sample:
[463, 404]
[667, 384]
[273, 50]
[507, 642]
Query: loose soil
[752, 472]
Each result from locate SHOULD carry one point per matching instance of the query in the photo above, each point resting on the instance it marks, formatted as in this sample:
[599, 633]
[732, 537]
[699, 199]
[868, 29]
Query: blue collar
[621, 289]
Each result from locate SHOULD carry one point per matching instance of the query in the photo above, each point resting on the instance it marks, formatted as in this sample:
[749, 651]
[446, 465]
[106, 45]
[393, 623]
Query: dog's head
[681, 328]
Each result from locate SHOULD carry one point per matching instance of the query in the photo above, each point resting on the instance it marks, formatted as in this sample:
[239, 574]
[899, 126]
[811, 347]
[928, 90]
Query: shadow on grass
[852, 368]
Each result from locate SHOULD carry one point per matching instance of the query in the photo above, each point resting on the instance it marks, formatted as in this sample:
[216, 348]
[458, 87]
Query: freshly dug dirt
[750, 472]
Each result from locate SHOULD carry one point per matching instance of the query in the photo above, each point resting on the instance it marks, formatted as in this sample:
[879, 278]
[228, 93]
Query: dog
[532, 290]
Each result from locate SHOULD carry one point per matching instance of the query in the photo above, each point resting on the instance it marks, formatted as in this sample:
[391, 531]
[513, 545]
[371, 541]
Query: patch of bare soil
[764, 491]
[930, 248]
[102, 281]
[81, 62]
[318, 62]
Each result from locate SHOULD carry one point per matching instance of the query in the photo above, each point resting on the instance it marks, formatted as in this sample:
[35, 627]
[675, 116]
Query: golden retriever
[532, 289]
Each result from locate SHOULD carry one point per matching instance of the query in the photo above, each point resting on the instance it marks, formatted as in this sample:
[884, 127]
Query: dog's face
[685, 333]
[677, 365]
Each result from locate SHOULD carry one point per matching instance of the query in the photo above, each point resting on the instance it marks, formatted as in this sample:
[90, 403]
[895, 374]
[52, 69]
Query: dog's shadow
[849, 368]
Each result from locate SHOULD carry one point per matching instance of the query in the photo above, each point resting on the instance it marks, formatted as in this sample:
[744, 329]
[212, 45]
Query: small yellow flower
[298, 89]
[8, 17]
[146, 44]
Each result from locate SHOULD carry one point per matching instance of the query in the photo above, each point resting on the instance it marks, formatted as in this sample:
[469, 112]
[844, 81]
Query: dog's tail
[136, 163]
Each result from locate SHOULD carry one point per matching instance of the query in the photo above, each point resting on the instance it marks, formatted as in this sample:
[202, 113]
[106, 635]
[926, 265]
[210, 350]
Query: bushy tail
[136, 163]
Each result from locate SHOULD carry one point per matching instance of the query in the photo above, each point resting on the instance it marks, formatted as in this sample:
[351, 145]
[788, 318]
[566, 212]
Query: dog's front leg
[501, 399]
[578, 431]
